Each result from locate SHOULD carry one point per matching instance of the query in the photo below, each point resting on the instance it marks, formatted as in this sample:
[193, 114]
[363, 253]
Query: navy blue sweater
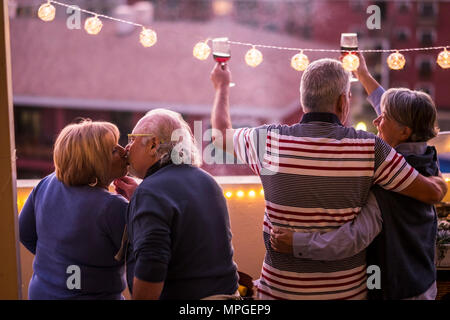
[179, 232]
[405, 248]
[80, 226]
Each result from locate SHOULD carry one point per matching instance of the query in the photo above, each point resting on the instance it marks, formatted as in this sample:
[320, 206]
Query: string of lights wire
[253, 57]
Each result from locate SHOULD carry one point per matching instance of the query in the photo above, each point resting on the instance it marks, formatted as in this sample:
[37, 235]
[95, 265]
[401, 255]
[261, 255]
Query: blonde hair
[177, 141]
[83, 152]
[414, 109]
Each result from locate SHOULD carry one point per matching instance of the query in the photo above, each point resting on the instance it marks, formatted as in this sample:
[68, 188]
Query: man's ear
[406, 133]
[341, 107]
[151, 145]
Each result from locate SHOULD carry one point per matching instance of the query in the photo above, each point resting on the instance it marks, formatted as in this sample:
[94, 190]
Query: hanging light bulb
[253, 57]
[350, 62]
[300, 61]
[47, 12]
[147, 37]
[93, 25]
[202, 50]
[396, 61]
[361, 126]
[443, 59]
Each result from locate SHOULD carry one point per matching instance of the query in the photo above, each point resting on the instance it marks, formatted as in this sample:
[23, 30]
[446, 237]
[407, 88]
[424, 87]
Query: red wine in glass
[221, 57]
[222, 52]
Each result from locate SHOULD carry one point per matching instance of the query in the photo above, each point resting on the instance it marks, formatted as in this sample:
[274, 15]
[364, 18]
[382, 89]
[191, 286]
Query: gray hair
[176, 139]
[414, 109]
[322, 83]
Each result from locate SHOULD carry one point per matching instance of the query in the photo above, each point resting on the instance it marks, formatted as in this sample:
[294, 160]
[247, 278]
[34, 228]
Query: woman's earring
[93, 184]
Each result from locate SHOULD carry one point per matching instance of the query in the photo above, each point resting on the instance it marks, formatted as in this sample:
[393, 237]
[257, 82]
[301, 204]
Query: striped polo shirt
[316, 176]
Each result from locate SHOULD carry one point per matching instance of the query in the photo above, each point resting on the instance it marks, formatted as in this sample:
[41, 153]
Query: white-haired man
[316, 176]
[178, 223]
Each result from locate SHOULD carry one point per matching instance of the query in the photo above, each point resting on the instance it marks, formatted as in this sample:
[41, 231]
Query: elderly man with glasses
[178, 223]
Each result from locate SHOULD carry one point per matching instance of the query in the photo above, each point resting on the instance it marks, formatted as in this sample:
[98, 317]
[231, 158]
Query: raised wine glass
[349, 43]
[222, 52]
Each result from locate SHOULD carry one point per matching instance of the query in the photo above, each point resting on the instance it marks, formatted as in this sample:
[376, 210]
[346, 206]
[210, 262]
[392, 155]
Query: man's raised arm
[220, 115]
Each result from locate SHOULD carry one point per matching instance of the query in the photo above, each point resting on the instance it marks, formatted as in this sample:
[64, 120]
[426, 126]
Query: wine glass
[349, 42]
[222, 52]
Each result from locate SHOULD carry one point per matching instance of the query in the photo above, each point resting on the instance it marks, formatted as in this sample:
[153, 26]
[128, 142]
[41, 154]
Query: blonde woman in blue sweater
[72, 224]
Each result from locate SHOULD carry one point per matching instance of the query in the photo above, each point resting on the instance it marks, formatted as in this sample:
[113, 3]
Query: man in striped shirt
[316, 176]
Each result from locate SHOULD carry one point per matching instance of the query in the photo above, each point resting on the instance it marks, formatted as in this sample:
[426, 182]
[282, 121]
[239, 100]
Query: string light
[443, 59]
[361, 126]
[300, 61]
[47, 12]
[147, 37]
[253, 57]
[350, 62]
[93, 25]
[396, 61]
[202, 50]
[241, 194]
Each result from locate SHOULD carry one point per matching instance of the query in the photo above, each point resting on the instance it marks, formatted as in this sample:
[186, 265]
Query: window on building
[426, 37]
[428, 9]
[403, 6]
[402, 34]
[27, 125]
[425, 65]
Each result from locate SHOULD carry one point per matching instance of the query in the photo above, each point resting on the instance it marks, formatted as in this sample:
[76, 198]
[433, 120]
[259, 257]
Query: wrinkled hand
[362, 70]
[221, 76]
[125, 186]
[281, 240]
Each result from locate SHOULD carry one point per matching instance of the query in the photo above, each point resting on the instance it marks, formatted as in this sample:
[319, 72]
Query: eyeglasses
[133, 136]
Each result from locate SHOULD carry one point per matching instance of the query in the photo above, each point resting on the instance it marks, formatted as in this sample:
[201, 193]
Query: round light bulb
[251, 193]
[299, 62]
[396, 61]
[201, 51]
[240, 193]
[361, 126]
[443, 59]
[148, 37]
[350, 62]
[93, 25]
[47, 12]
[253, 57]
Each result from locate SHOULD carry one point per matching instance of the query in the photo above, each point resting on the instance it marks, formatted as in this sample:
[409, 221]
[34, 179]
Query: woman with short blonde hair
[72, 223]
[82, 153]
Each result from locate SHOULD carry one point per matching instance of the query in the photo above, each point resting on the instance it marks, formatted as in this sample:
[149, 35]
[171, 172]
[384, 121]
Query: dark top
[405, 248]
[81, 226]
[179, 232]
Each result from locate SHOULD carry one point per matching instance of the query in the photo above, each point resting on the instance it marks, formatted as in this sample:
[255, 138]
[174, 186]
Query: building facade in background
[61, 75]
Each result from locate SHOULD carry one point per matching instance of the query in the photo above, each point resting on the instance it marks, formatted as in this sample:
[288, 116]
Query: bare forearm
[369, 83]
[430, 190]
[220, 116]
